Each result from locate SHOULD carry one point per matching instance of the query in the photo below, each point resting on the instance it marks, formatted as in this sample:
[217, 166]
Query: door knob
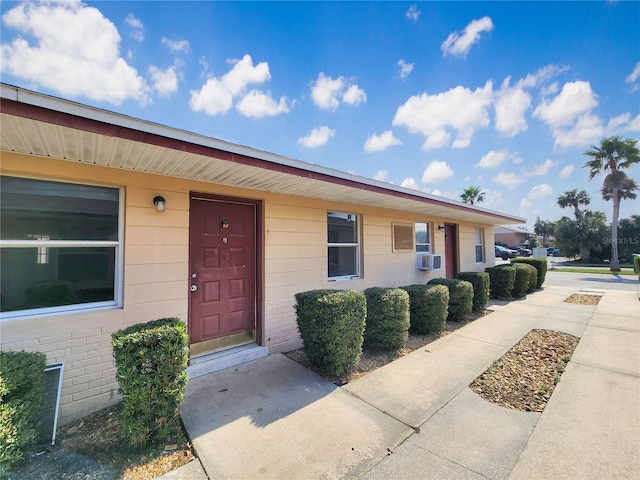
[194, 288]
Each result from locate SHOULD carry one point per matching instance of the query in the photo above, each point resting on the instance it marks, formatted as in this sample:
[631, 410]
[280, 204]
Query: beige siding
[156, 270]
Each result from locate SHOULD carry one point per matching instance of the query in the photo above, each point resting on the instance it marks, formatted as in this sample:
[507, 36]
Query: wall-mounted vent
[428, 261]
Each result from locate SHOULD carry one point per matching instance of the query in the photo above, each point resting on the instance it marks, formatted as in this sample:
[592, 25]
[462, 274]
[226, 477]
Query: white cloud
[575, 99]
[378, 143]
[165, 82]
[542, 75]
[354, 95]
[176, 46]
[381, 175]
[493, 159]
[540, 169]
[137, 28]
[540, 191]
[75, 52]
[459, 108]
[585, 131]
[257, 104]
[316, 137]
[511, 106]
[410, 182]
[510, 180]
[568, 115]
[493, 199]
[413, 13]
[618, 121]
[566, 171]
[459, 43]
[447, 193]
[634, 125]
[536, 193]
[632, 78]
[217, 94]
[405, 68]
[326, 91]
[436, 172]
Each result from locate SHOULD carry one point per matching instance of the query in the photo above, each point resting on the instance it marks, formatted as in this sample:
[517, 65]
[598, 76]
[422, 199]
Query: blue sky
[434, 96]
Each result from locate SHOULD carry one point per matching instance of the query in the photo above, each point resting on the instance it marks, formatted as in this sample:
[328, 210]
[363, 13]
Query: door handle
[194, 288]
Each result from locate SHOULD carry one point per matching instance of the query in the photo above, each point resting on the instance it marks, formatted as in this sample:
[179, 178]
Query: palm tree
[611, 157]
[472, 195]
[573, 198]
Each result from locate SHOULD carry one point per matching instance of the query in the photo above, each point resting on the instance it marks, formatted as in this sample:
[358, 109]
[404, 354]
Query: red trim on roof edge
[63, 119]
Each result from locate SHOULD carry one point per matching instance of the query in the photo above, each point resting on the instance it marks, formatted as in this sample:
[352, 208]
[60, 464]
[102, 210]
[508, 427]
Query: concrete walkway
[416, 417]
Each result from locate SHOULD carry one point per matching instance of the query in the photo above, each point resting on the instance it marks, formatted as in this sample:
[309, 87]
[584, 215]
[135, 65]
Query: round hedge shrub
[21, 397]
[151, 368]
[521, 283]
[480, 283]
[501, 281]
[331, 324]
[539, 263]
[460, 297]
[533, 275]
[387, 322]
[428, 307]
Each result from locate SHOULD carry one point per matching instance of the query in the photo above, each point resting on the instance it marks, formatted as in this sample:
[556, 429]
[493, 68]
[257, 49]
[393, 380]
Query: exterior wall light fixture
[160, 203]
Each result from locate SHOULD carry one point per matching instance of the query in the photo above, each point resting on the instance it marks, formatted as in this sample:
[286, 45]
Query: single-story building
[109, 221]
[514, 236]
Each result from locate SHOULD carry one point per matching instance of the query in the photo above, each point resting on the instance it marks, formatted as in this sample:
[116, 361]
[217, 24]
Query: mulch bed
[524, 378]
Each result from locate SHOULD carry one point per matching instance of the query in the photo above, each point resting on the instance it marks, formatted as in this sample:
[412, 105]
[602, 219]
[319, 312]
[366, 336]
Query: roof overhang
[50, 127]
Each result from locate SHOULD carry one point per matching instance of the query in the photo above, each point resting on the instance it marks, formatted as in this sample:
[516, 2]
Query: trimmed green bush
[533, 275]
[331, 324]
[151, 362]
[501, 281]
[21, 397]
[539, 263]
[460, 297]
[521, 283]
[387, 322]
[428, 307]
[480, 283]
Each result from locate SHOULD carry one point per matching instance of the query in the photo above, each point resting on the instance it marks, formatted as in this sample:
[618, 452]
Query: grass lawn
[600, 271]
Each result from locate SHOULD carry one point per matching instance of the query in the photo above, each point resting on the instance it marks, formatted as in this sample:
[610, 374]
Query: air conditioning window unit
[428, 261]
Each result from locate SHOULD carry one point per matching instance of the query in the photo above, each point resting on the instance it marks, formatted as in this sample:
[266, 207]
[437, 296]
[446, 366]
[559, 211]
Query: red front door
[451, 250]
[222, 257]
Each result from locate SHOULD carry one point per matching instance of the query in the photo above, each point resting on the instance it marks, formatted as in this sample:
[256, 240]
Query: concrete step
[212, 362]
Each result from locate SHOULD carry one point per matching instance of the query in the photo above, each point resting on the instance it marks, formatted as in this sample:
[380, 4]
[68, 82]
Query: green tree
[545, 229]
[611, 158]
[573, 198]
[472, 195]
[581, 236]
[628, 237]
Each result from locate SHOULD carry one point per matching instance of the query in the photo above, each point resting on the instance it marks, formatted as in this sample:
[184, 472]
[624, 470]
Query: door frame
[259, 229]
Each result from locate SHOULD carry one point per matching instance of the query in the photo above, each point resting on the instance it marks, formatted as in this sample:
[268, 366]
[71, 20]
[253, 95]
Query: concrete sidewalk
[416, 417]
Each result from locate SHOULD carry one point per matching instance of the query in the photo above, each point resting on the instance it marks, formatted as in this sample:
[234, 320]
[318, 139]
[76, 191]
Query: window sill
[340, 279]
[57, 311]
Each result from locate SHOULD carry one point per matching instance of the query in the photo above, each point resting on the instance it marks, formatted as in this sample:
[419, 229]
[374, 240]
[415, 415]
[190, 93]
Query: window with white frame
[343, 241]
[423, 237]
[59, 246]
[479, 245]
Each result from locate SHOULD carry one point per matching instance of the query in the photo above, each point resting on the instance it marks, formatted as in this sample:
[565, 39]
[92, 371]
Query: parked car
[553, 252]
[523, 252]
[505, 253]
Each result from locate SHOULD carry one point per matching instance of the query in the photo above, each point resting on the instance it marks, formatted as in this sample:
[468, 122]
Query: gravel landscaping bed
[524, 378]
